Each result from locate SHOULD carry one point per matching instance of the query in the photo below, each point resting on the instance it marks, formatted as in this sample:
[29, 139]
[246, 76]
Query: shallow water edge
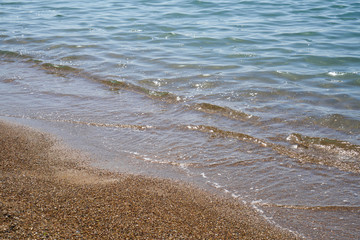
[62, 197]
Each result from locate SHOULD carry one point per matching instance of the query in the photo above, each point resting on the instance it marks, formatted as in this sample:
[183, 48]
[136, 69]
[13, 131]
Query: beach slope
[47, 191]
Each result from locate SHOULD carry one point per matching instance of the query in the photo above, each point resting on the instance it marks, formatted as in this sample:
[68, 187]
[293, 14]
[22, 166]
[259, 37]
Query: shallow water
[258, 100]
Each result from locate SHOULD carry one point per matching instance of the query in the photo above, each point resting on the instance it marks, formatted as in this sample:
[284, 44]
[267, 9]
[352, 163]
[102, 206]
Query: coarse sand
[47, 191]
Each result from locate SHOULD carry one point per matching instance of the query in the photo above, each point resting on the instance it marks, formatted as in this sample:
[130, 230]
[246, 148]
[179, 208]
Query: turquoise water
[259, 100]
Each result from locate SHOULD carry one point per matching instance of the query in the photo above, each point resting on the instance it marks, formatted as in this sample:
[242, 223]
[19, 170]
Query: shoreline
[48, 191]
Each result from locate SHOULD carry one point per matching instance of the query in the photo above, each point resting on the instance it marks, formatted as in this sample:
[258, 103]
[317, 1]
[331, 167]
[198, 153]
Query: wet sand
[48, 191]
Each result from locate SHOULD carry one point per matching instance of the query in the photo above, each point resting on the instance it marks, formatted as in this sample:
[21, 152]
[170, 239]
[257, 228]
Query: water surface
[259, 100]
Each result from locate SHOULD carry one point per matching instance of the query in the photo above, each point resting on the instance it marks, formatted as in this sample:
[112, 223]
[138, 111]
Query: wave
[328, 61]
[349, 152]
[114, 85]
[59, 69]
[109, 125]
[224, 111]
[216, 132]
[65, 70]
[333, 145]
[350, 78]
[8, 55]
[118, 85]
[334, 208]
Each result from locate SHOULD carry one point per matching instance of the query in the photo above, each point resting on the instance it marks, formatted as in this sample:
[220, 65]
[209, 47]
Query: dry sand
[48, 192]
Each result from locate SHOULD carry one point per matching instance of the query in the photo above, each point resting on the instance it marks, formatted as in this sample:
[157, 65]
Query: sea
[255, 100]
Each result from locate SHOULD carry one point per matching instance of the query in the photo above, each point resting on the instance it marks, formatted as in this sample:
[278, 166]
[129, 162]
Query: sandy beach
[47, 191]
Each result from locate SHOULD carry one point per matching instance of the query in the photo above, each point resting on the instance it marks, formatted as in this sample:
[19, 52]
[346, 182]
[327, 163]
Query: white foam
[203, 175]
[192, 127]
[334, 74]
[235, 195]
[217, 185]
[253, 204]
[269, 219]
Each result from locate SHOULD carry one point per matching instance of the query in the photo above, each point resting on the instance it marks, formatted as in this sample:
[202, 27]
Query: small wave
[235, 40]
[249, 162]
[10, 55]
[224, 111]
[329, 61]
[118, 85]
[95, 124]
[241, 55]
[216, 132]
[64, 70]
[109, 125]
[334, 153]
[291, 76]
[59, 69]
[70, 46]
[82, 57]
[348, 163]
[313, 208]
[351, 78]
[297, 34]
[337, 146]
